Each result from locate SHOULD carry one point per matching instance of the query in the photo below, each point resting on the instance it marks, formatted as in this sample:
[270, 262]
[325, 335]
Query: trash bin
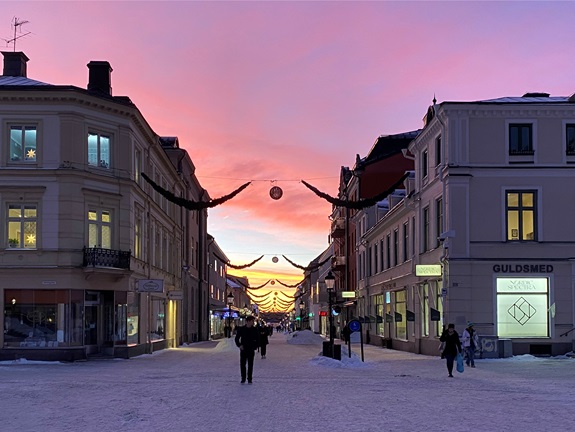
[337, 352]
[326, 349]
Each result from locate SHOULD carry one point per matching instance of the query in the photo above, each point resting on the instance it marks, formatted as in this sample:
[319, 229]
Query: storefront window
[400, 315]
[158, 318]
[133, 323]
[522, 307]
[425, 310]
[379, 327]
[40, 319]
[120, 335]
[439, 307]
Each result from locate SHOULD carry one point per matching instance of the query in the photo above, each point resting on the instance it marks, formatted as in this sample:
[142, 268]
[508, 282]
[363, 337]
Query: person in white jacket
[470, 342]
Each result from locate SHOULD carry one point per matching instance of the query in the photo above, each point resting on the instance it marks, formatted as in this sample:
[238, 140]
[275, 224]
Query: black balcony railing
[521, 152]
[99, 257]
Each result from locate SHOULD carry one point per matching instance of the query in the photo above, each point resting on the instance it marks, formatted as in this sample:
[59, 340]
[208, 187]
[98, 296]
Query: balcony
[338, 228]
[99, 257]
[338, 263]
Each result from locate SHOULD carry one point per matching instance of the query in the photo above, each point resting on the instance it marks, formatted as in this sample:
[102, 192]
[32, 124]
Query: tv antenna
[17, 25]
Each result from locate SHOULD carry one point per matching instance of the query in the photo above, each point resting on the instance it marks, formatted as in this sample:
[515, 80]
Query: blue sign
[354, 325]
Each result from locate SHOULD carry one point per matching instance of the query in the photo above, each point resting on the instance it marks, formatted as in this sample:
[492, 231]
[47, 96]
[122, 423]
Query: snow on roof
[508, 99]
[20, 81]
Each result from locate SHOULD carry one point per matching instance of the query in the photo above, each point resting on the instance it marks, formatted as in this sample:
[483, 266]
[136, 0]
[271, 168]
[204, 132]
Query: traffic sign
[354, 325]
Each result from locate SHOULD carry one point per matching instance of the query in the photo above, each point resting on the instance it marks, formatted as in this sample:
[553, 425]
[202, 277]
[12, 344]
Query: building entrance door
[99, 322]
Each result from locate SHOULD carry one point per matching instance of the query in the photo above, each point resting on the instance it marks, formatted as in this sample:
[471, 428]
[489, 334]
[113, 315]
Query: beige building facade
[482, 232]
[91, 263]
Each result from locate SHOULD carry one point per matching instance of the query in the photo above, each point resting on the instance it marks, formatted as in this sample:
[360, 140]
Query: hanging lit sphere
[276, 192]
[273, 282]
[275, 259]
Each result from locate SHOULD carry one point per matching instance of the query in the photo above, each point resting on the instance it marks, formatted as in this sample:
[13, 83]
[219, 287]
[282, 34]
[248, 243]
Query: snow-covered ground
[197, 388]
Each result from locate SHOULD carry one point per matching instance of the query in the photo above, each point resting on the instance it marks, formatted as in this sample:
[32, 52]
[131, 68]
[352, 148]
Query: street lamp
[230, 303]
[301, 306]
[329, 284]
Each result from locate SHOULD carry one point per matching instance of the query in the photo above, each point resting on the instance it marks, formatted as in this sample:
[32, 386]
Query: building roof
[387, 145]
[528, 99]
[20, 81]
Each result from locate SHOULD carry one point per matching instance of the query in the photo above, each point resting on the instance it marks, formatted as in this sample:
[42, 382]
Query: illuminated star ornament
[31, 239]
[31, 154]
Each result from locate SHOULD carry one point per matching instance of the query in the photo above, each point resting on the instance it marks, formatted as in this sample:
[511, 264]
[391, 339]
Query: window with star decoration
[23, 143]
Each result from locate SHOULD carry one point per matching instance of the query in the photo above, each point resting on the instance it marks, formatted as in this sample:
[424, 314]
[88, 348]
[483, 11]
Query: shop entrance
[99, 322]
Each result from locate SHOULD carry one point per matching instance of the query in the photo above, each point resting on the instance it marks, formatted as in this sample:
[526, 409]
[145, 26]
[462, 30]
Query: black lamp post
[329, 284]
[230, 303]
[301, 307]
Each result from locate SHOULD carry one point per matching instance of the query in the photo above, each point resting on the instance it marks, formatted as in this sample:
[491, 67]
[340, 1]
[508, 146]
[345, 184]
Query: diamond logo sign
[521, 311]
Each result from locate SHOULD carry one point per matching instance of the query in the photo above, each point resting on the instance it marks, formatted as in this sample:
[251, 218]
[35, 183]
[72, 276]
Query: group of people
[452, 345]
[249, 339]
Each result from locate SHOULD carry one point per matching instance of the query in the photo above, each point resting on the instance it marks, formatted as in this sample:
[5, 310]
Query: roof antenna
[17, 24]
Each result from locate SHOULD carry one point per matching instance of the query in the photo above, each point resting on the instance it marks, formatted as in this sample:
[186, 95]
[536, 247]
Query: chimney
[14, 64]
[99, 79]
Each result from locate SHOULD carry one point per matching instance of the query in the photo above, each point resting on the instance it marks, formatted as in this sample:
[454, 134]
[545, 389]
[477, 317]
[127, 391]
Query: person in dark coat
[263, 340]
[247, 340]
[452, 346]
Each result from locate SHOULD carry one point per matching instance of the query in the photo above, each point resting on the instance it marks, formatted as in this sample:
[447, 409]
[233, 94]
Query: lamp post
[230, 299]
[329, 284]
[301, 306]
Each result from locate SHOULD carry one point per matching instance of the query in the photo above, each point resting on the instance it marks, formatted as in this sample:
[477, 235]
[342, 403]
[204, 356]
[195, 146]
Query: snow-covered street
[197, 388]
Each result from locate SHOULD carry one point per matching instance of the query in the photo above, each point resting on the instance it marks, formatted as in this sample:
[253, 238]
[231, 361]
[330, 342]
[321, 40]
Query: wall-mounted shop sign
[176, 295]
[522, 268]
[409, 316]
[348, 294]
[151, 285]
[428, 270]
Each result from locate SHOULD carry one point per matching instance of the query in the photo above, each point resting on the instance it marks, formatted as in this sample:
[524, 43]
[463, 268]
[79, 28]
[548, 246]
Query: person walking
[247, 340]
[264, 341]
[451, 348]
[470, 342]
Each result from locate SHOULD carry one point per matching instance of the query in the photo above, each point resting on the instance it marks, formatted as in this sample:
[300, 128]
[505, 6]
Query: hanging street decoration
[356, 205]
[310, 268]
[289, 286]
[276, 192]
[261, 286]
[193, 205]
[238, 267]
[275, 259]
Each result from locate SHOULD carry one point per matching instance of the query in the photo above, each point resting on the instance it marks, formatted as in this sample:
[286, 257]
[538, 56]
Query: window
[520, 139]
[400, 314]
[157, 319]
[379, 327]
[570, 139]
[368, 263]
[439, 308]
[405, 241]
[99, 228]
[375, 259]
[138, 233]
[137, 164]
[438, 150]
[382, 255]
[395, 247]
[413, 235]
[388, 251]
[425, 310]
[424, 164]
[98, 150]
[425, 237]
[22, 226]
[439, 219]
[521, 215]
[23, 144]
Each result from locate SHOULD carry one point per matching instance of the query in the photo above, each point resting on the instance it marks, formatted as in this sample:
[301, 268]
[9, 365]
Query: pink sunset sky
[287, 91]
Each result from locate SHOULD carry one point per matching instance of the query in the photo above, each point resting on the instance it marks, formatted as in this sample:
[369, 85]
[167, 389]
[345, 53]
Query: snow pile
[23, 361]
[226, 345]
[304, 337]
[529, 358]
[346, 362]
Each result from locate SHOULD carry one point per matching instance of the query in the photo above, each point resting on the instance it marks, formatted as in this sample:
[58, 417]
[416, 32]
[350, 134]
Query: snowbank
[226, 345]
[353, 362]
[304, 337]
[23, 361]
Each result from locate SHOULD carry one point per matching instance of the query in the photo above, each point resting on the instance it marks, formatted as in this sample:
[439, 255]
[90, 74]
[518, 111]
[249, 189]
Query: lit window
[98, 150]
[23, 144]
[521, 215]
[22, 226]
[100, 229]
